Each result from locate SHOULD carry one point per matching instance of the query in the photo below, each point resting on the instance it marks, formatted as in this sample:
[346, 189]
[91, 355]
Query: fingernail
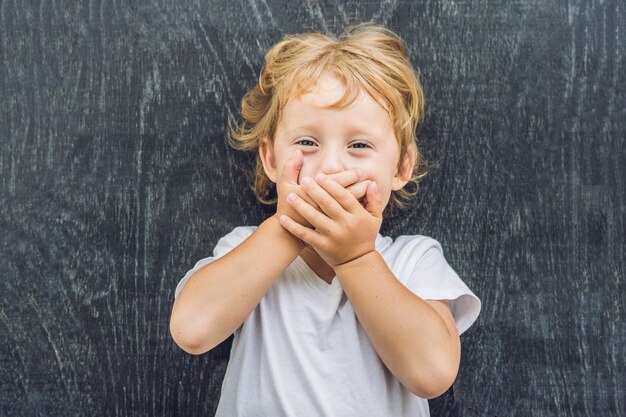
[320, 176]
[306, 180]
[291, 197]
[282, 218]
[295, 152]
[375, 187]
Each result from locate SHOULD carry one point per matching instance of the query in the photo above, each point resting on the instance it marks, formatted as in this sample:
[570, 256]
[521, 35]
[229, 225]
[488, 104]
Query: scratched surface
[115, 179]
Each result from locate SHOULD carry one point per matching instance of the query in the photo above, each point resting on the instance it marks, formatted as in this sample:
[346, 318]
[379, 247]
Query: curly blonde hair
[365, 57]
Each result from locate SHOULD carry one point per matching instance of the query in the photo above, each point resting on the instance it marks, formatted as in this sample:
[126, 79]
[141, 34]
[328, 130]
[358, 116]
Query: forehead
[330, 90]
[313, 103]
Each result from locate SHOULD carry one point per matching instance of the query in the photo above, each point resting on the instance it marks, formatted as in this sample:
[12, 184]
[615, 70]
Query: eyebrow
[352, 129]
[303, 127]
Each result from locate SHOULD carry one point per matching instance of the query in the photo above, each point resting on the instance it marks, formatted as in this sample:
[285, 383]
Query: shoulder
[224, 245]
[418, 261]
[416, 241]
[408, 248]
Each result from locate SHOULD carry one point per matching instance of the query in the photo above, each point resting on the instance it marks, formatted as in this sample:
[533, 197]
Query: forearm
[217, 299]
[408, 334]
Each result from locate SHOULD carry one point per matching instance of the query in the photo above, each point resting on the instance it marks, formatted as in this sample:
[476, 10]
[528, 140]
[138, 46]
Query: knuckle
[343, 193]
[299, 232]
[348, 178]
[326, 200]
[351, 223]
[325, 245]
[344, 196]
[308, 214]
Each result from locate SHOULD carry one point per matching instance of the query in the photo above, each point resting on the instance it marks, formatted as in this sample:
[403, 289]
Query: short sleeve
[432, 278]
[223, 246]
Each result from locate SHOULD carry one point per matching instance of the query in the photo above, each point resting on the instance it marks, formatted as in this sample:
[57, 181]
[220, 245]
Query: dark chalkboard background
[116, 178]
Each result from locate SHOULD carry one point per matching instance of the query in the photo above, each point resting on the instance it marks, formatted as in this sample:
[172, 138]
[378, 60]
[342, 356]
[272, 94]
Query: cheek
[280, 167]
[384, 183]
[371, 166]
[374, 173]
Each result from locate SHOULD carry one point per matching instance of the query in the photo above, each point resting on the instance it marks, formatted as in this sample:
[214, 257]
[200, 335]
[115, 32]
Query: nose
[331, 161]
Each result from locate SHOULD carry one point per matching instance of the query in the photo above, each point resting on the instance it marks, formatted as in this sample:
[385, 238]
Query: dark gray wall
[115, 179]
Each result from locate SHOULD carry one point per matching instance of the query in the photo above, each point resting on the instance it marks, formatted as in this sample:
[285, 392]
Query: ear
[266, 153]
[403, 175]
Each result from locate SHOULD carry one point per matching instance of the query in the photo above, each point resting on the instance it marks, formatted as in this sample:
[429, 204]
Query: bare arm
[416, 339]
[219, 297]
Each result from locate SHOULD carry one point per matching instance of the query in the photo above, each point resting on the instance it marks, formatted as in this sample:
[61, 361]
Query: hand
[357, 189]
[289, 183]
[342, 230]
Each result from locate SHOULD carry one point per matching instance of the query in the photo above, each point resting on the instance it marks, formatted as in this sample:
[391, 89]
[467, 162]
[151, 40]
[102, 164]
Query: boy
[329, 317]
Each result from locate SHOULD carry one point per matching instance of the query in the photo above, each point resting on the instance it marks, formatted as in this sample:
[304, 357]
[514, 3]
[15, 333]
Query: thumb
[374, 200]
[291, 171]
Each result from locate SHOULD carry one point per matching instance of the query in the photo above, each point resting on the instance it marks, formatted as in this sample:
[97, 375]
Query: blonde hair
[365, 57]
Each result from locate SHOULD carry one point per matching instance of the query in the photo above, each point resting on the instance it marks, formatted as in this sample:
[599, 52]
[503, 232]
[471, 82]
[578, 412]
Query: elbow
[433, 388]
[190, 346]
[435, 377]
[188, 339]
[436, 382]
[184, 341]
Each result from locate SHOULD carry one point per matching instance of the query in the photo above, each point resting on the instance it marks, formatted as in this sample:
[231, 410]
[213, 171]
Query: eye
[305, 142]
[360, 145]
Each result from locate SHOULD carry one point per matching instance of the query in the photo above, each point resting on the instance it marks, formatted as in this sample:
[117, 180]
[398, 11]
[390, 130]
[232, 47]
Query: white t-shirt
[303, 352]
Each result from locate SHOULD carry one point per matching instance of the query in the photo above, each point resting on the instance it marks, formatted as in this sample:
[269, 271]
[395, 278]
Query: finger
[305, 234]
[374, 200]
[323, 199]
[346, 178]
[358, 190]
[338, 193]
[317, 219]
[291, 170]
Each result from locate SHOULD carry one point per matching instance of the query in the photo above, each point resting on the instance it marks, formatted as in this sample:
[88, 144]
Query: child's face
[334, 140]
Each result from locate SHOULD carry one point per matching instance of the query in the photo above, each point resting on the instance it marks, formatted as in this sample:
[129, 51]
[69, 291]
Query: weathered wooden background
[115, 178]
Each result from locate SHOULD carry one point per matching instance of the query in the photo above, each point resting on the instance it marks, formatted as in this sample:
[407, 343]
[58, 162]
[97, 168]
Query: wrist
[273, 222]
[361, 261]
